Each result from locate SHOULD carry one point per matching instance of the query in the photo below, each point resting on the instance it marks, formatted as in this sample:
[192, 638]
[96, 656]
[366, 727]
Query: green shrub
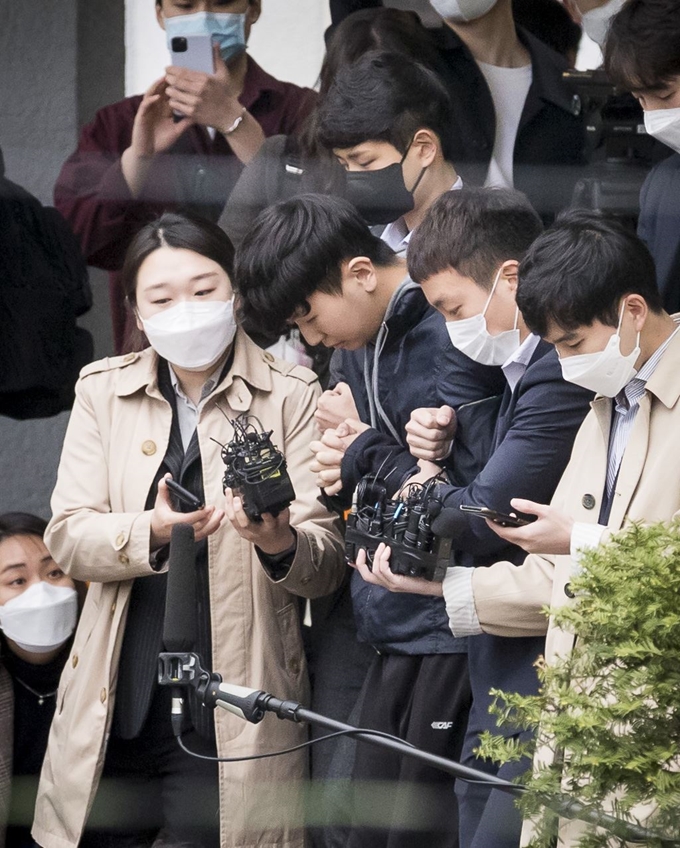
[610, 712]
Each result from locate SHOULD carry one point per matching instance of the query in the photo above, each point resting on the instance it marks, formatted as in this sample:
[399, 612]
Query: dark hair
[385, 97]
[295, 248]
[21, 524]
[578, 271]
[642, 51]
[174, 230]
[550, 22]
[473, 230]
[380, 30]
[384, 29]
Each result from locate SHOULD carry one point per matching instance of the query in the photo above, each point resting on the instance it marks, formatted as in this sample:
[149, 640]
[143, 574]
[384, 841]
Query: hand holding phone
[493, 515]
[184, 495]
[193, 52]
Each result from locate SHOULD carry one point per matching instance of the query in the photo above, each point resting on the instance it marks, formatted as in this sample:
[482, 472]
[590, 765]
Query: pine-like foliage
[610, 712]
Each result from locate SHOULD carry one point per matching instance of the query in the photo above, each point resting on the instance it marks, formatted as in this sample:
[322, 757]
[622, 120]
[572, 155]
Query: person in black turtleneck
[38, 613]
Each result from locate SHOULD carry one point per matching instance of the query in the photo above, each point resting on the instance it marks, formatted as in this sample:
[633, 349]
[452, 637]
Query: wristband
[236, 124]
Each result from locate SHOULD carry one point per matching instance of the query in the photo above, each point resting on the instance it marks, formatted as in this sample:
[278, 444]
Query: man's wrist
[233, 119]
[280, 546]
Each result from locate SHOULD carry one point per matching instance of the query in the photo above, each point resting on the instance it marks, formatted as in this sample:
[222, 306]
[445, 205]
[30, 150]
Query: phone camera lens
[179, 44]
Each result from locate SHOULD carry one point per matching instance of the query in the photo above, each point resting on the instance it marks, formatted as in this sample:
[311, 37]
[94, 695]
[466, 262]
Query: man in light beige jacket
[588, 286]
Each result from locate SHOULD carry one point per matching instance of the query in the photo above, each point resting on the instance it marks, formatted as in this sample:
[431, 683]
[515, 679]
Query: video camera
[255, 470]
[405, 525]
[619, 150]
[614, 119]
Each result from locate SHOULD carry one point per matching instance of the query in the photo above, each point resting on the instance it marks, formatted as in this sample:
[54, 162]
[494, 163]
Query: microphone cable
[354, 732]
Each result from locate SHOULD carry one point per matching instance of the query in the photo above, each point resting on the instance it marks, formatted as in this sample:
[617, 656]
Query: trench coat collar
[250, 365]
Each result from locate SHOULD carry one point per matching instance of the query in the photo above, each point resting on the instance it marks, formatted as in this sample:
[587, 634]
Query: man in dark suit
[642, 55]
[459, 256]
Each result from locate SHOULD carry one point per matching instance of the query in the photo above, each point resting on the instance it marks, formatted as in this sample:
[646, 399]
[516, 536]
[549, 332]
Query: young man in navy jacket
[312, 260]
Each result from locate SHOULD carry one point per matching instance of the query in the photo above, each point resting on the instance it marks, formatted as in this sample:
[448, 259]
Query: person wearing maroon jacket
[135, 161]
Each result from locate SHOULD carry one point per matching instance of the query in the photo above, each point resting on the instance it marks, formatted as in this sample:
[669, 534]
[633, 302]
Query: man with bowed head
[588, 287]
[135, 161]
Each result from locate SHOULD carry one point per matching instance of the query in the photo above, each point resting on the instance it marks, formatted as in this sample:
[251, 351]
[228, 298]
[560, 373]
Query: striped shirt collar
[631, 393]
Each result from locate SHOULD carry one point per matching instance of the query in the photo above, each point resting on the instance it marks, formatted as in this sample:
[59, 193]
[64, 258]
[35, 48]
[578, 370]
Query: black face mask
[380, 196]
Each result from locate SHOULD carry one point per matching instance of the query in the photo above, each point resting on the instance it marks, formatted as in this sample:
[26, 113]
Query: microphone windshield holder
[184, 669]
[179, 623]
[256, 470]
[405, 525]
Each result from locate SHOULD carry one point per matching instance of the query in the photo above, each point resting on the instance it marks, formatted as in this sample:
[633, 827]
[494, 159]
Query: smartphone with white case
[194, 52]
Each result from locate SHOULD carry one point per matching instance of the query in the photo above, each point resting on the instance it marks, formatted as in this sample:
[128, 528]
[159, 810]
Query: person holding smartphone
[465, 255]
[134, 160]
[114, 774]
[588, 286]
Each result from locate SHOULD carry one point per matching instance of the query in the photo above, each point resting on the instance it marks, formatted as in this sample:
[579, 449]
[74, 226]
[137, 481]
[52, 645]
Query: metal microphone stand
[181, 670]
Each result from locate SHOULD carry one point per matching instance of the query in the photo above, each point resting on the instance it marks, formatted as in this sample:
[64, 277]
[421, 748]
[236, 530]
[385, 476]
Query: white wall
[287, 41]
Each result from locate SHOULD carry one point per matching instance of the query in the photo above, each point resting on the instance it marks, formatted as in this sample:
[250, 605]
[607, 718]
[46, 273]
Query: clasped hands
[429, 434]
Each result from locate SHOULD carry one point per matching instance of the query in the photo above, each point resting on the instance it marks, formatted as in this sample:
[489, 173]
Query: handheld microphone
[179, 623]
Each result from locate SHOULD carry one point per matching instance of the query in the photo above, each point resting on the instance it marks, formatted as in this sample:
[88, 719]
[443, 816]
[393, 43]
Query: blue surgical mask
[227, 29]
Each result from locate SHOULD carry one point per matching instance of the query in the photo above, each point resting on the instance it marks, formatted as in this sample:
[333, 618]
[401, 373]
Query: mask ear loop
[422, 170]
[493, 289]
[618, 329]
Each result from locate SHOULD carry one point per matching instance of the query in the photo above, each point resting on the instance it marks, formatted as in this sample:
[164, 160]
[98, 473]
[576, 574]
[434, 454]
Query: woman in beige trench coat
[112, 517]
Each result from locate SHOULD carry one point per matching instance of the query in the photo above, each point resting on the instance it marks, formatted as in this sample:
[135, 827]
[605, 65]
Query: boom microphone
[179, 624]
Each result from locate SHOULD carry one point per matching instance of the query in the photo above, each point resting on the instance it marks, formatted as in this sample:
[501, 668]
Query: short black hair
[473, 231]
[578, 271]
[384, 97]
[642, 51]
[295, 248]
[379, 29]
[21, 524]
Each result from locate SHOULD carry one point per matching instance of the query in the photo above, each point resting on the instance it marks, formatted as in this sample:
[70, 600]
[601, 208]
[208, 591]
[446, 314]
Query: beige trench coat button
[113, 607]
[130, 357]
[294, 666]
[124, 559]
[268, 356]
[74, 661]
[588, 501]
[120, 539]
[148, 447]
[102, 696]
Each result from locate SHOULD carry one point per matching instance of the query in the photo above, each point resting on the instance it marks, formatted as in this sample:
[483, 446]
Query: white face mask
[192, 335]
[596, 22]
[462, 11]
[606, 371]
[42, 618]
[664, 124]
[472, 337]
